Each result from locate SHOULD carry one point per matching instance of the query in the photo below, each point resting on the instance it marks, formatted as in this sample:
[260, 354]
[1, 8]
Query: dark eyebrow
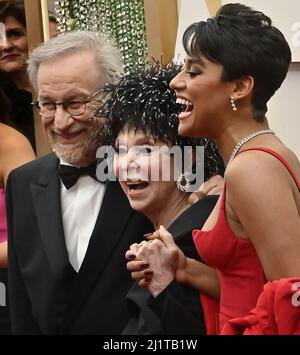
[191, 61]
[139, 141]
[14, 29]
[145, 140]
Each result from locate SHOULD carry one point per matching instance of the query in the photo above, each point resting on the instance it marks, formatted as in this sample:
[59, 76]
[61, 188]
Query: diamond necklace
[245, 140]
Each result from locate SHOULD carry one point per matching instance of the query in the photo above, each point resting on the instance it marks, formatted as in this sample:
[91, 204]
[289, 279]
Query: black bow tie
[70, 174]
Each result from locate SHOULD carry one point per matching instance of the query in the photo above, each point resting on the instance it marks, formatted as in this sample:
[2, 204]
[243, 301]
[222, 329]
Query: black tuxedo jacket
[176, 310]
[47, 296]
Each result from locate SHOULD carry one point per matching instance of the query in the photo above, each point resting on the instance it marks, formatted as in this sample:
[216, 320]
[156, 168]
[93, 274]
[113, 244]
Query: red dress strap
[277, 156]
[280, 158]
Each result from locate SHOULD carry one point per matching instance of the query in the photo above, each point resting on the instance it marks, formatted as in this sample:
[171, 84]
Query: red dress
[240, 273]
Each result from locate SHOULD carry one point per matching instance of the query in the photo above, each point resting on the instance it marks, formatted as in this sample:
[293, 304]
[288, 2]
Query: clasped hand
[155, 263]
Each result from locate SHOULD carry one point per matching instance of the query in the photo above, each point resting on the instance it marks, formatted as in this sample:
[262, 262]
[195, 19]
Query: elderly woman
[15, 150]
[141, 117]
[235, 62]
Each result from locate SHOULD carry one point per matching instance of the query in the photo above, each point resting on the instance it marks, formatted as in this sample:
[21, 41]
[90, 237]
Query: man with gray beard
[68, 232]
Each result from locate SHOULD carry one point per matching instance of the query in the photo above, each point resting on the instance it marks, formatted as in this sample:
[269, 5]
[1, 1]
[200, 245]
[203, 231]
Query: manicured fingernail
[148, 272]
[147, 235]
[142, 266]
[131, 256]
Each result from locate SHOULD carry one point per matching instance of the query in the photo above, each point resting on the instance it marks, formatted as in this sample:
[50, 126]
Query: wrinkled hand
[160, 260]
[139, 268]
[213, 186]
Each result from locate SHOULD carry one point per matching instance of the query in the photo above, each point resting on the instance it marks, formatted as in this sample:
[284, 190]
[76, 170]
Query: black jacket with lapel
[47, 295]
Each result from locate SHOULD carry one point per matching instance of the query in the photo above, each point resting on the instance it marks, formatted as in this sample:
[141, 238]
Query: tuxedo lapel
[46, 198]
[105, 237]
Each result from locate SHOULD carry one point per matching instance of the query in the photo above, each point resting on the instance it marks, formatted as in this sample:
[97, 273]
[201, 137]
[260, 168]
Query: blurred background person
[53, 25]
[141, 121]
[15, 150]
[13, 57]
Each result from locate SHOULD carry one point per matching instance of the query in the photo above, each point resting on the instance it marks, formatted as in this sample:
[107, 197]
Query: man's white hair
[107, 58]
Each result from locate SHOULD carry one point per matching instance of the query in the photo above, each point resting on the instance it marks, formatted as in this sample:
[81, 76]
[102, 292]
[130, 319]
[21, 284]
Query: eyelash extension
[148, 149]
[193, 74]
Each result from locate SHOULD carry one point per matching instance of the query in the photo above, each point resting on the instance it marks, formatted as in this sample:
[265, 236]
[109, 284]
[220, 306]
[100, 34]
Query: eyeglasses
[74, 107]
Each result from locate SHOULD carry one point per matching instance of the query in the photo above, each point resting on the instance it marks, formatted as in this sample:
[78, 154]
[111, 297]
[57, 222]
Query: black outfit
[47, 296]
[21, 114]
[177, 309]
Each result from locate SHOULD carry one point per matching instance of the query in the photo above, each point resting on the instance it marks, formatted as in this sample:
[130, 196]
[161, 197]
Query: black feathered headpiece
[143, 101]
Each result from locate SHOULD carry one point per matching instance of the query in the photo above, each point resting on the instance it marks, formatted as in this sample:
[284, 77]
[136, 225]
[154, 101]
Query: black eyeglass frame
[64, 104]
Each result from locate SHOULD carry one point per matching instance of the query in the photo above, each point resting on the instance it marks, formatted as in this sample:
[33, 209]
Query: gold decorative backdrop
[123, 21]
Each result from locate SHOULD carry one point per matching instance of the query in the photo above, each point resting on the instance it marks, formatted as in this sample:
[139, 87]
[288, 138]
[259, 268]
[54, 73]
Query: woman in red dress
[235, 62]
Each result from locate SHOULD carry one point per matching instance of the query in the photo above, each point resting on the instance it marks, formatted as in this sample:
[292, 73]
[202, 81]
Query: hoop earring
[183, 182]
[233, 105]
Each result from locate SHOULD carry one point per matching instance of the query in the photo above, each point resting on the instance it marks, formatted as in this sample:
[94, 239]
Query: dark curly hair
[143, 101]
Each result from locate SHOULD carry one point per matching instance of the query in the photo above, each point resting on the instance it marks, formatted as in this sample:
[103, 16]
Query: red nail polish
[131, 256]
[142, 266]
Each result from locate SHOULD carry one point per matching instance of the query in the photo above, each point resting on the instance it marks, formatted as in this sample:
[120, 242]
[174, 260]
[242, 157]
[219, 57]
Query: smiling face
[138, 159]
[63, 79]
[13, 53]
[206, 97]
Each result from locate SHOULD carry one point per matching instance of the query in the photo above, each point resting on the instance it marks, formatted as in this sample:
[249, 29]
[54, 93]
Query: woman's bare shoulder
[253, 164]
[12, 140]
[15, 150]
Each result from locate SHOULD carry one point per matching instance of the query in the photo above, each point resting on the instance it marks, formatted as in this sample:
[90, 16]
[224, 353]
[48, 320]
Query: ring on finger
[141, 244]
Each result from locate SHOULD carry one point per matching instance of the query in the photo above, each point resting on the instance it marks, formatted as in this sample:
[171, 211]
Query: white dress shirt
[80, 208]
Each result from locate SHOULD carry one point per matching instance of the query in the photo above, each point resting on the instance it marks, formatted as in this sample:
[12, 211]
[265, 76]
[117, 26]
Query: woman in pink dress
[235, 62]
[15, 150]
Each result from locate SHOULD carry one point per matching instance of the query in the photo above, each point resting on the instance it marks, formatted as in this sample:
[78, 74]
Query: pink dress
[3, 225]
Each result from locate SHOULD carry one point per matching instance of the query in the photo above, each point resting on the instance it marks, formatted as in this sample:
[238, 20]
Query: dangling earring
[233, 105]
[183, 182]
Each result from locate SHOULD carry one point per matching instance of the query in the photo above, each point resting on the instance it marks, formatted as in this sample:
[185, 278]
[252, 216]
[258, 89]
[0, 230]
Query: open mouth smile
[137, 185]
[187, 107]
